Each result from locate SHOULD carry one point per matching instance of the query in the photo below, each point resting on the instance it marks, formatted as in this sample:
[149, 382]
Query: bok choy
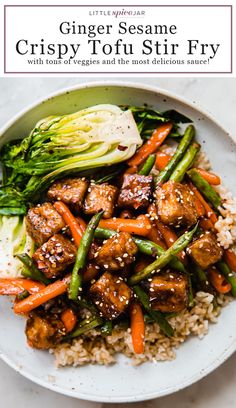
[13, 240]
[102, 135]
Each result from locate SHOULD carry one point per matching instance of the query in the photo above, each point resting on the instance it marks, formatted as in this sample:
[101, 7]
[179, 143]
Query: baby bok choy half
[102, 135]
[13, 240]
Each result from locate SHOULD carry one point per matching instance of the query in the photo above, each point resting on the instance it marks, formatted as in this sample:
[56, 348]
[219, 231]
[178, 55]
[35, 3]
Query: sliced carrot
[48, 292]
[170, 237]
[230, 259]
[82, 223]
[199, 207]
[206, 224]
[141, 264]
[137, 327]
[90, 272]
[69, 319]
[131, 170]
[155, 236]
[138, 226]
[157, 138]
[209, 211]
[218, 281]
[208, 176]
[18, 285]
[162, 160]
[77, 229]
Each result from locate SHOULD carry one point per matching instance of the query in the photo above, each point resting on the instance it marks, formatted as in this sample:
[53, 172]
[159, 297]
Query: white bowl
[123, 382]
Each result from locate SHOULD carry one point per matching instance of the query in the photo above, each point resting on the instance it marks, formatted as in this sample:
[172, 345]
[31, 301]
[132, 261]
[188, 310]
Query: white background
[217, 390]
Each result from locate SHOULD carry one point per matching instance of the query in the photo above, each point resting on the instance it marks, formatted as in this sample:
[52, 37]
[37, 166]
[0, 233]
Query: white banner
[117, 39]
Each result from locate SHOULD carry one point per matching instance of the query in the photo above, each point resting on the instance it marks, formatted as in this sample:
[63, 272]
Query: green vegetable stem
[228, 274]
[85, 243]
[148, 165]
[31, 270]
[165, 174]
[186, 162]
[206, 189]
[85, 326]
[155, 315]
[165, 258]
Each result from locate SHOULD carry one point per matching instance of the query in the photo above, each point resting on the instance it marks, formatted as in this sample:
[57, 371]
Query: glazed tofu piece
[44, 331]
[111, 295]
[100, 197]
[169, 292]
[136, 191]
[175, 204]
[117, 252]
[71, 191]
[205, 251]
[42, 222]
[54, 256]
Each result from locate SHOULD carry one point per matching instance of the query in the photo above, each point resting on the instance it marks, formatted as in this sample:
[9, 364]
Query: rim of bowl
[115, 83]
[217, 361]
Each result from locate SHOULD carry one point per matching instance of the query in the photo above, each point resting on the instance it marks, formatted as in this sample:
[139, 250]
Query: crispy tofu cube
[71, 191]
[169, 292]
[111, 295]
[100, 197]
[54, 256]
[175, 204]
[44, 331]
[135, 191]
[205, 251]
[42, 222]
[117, 252]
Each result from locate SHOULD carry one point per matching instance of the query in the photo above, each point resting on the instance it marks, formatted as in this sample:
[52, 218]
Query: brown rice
[94, 348]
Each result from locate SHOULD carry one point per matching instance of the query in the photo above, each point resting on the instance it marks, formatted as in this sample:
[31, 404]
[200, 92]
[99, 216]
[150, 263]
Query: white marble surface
[217, 390]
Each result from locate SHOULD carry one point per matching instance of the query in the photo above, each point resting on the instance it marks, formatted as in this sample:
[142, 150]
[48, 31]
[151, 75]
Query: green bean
[186, 162]
[181, 149]
[107, 328]
[148, 319]
[145, 246]
[31, 270]
[157, 316]
[148, 165]
[104, 233]
[190, 290]
[151, 248]
[85, 243]
[165, 258]
[206, 189]
[202, 278]
[84, 326]
[228, 274]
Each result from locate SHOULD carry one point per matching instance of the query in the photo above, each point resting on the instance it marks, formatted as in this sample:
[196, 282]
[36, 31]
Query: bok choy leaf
[96, 137]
